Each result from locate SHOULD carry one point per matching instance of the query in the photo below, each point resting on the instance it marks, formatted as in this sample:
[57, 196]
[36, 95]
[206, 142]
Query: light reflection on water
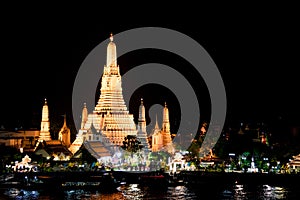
[259, 192]
[136, 192]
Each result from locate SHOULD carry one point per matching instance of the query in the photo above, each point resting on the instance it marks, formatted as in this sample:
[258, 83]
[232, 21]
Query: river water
[135, 191]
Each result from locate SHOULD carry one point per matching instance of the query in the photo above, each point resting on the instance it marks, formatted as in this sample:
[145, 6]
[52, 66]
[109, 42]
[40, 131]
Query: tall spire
[142, 118]
[142, 133]
[84, 115]
[65, 120]
[45, 124]
[156, 123]
[111, 59]
[64, 134]
[110, 117]
[157, 138]
[45, 111]
[142, 111]
[166, 126]
[111, 37]
[166, 113]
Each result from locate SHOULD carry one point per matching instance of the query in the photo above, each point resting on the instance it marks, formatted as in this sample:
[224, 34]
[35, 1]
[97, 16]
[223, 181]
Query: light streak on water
[137, 192]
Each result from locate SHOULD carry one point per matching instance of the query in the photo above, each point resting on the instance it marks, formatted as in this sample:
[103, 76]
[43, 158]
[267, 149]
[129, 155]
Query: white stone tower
[142, 118]
[45, 124]
[142, 133]
[84, 115]
[110, 117]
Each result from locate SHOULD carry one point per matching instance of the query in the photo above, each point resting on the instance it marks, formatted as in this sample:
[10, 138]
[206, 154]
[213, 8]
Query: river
[136, 191]
[195, 185]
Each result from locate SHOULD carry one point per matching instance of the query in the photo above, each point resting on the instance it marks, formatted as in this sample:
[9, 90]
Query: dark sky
[256, 56]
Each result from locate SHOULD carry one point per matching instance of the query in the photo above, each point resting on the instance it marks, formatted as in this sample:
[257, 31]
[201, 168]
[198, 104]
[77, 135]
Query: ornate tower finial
[166, 123]
[156, 123]
[142, 112]
[142, 117]
[111, 37]
[65, 119]
[111, 57]
[45, 101]
[84, 116]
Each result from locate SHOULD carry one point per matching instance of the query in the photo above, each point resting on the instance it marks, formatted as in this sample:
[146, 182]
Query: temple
[161, 138]
[45, 124]
[47, 147]
[110, 117]
[110, 121]
[295, 163]
[103, 129]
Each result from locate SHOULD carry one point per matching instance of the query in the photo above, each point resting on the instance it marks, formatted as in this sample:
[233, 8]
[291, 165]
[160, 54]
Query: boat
[12, 192]
[154, 179]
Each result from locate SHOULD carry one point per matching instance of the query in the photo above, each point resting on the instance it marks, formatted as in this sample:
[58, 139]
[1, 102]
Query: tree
[245, 160]
[131, 144]
[194, 149]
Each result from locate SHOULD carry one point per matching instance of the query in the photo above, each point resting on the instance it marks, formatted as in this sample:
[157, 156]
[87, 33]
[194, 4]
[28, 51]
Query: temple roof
[97, 149]
[53, 147]
[295, 161]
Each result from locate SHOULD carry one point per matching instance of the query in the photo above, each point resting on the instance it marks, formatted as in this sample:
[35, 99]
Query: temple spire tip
[111, 37]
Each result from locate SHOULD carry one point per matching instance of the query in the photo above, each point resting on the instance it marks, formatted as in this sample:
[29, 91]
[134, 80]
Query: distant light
[231, 154]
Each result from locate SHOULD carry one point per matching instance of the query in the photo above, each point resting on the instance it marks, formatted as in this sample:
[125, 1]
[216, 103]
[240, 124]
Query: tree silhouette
[131, 144]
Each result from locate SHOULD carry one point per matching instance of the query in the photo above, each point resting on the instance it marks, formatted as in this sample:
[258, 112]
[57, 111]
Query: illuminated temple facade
[45, 124]
[161, 138]
[102, 130]
[110, 117]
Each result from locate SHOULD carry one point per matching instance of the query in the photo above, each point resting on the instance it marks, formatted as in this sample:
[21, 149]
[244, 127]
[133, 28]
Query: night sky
[257, 58]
